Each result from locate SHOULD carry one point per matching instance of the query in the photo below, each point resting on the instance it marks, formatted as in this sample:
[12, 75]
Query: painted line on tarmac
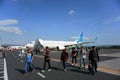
[110, 71]
[5, 70]
[40, 74]
[2, 77]
[1, 63]
[2, 72]
[1, 68]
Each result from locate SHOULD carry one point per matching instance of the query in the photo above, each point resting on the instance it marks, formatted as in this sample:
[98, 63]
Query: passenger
[23, 51]
[20, 55]
[29, 60]
[11, 50]
[4, 53]
[82, 54]
[74, 56]
[64, 58]
[46, 59]
[93, 59]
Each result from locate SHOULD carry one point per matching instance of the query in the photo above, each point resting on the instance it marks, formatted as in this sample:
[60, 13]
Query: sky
[22, 21]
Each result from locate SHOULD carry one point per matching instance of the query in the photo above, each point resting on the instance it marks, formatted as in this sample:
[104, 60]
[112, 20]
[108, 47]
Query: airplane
[89, 42]
[59, 45]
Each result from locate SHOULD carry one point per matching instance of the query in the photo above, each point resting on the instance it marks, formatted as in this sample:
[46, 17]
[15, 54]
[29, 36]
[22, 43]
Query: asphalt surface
[15, 69]
[109, 51]
[1, 67]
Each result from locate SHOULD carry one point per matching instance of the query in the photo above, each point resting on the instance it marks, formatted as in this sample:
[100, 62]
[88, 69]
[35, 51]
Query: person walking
[93, 59]
[74, 56]
[4, 52]
[82, 54]
[64, 58]
[29, 60]
[46, 59]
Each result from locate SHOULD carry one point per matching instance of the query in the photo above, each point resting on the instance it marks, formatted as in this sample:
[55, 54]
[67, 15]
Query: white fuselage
[52, 43]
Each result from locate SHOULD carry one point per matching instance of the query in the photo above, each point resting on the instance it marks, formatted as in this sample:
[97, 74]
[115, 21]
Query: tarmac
[110, 63]
[108, 68]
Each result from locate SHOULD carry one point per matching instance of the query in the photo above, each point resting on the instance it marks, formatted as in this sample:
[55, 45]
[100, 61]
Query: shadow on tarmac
[79, 71]
[56, 68]
[38, 68]
[20, 70]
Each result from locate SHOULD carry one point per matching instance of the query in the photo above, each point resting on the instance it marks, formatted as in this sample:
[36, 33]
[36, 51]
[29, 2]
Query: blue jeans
[82, 61]
[64, 64]
[28, 65]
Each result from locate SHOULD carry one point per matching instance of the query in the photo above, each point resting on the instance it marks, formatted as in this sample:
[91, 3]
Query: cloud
[71, 12]
[15, 30]
[74, 37]
[111, 20]
[117, 19]
[8, 22]
[84, 38]
[14, 0]
[7, 26]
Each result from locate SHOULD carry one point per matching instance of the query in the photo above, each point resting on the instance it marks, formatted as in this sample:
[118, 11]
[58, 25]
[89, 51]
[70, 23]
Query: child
[28, 63]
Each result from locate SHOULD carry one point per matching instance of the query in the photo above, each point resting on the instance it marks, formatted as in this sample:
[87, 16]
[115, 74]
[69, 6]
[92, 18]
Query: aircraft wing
[89, 42]
[81, 43]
